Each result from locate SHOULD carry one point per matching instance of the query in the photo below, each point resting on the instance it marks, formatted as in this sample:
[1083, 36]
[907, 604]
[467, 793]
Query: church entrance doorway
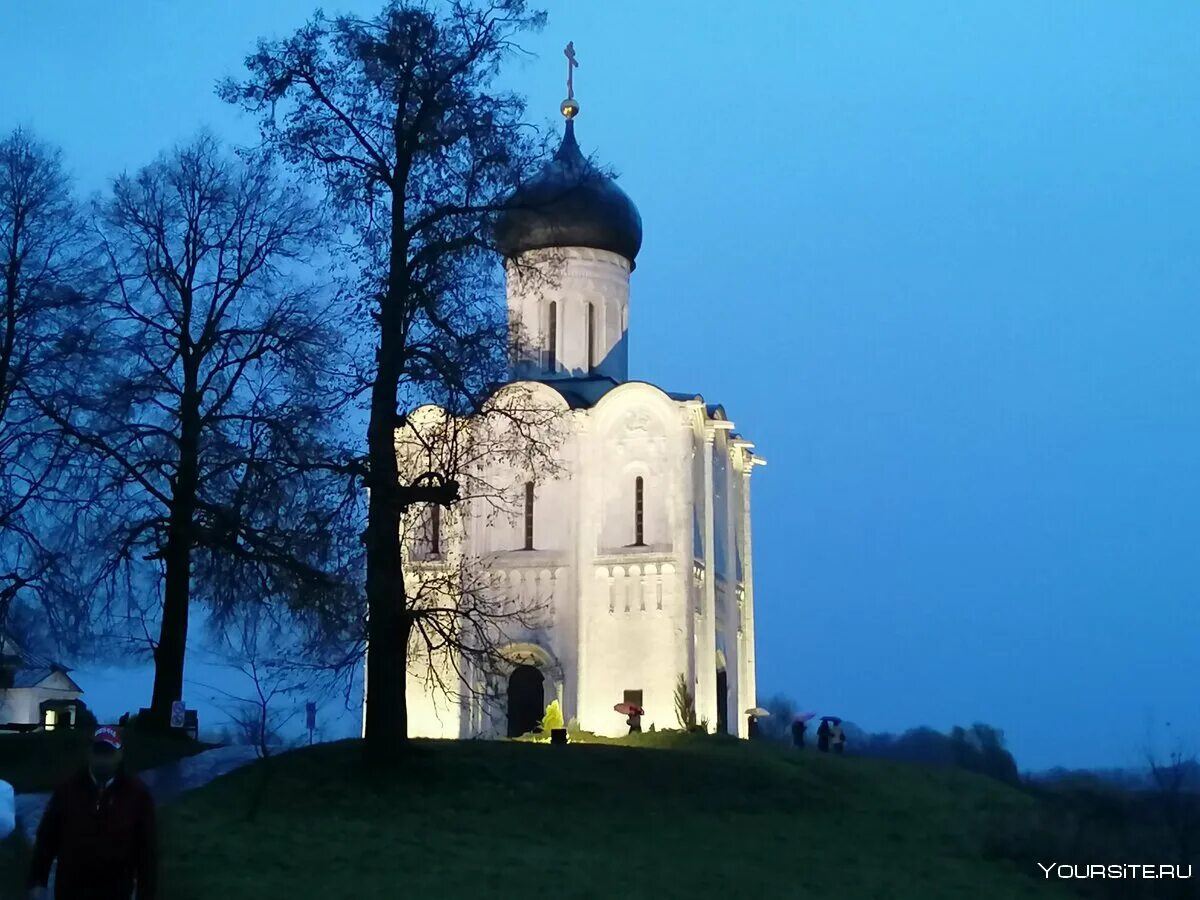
[524, 700]
[722, 702]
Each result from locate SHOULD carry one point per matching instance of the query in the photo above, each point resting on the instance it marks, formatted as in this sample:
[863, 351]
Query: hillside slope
[666, 816]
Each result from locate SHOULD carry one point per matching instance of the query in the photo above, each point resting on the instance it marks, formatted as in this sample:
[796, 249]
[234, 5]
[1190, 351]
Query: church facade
[637, 550]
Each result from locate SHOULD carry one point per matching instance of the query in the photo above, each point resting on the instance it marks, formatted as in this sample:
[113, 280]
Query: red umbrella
[629, 709]
[804, 717]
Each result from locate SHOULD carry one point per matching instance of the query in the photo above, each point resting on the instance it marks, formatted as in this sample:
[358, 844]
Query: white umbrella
[758, 712]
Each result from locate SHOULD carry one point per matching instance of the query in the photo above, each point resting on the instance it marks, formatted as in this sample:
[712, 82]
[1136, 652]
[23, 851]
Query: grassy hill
[661, 816]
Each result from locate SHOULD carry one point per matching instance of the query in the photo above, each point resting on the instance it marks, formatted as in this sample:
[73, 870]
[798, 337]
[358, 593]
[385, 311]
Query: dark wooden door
[524, 700]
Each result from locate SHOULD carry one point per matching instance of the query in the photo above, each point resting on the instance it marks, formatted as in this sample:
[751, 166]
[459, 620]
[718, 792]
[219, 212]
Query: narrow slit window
[435, 530]
[529, 515]
[552, 342]
[591, 337]
[639, 512]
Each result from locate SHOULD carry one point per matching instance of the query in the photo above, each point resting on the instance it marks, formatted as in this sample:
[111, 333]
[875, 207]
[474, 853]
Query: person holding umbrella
[752, 717]
[799, 727]
[634, 714]
[825, 732]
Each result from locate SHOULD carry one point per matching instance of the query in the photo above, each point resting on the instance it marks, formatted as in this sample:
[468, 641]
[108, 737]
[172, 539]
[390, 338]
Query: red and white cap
[107, 734]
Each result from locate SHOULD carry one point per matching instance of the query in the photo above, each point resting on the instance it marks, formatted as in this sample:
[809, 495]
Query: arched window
[591, 338]
[639, 512]
[435, 530]
[529, 515]
[552, 341]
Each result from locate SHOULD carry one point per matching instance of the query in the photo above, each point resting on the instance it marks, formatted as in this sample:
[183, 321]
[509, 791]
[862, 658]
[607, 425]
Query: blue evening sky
[938, 259]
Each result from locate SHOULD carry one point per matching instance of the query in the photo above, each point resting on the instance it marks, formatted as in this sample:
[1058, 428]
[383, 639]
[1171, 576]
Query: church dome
[570, 203]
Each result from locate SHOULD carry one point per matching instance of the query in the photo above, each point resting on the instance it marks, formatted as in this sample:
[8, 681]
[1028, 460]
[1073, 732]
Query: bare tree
[1175, 794]
[398, 117]
[41, 233]
[268, 651]
[256, 647]
[201, 394]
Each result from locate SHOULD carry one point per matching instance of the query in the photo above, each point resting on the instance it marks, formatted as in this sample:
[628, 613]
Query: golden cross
[572, 64]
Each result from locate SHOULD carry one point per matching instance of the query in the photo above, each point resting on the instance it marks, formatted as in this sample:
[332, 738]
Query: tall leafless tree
[41, 256]
[200, 395]
[399, 118]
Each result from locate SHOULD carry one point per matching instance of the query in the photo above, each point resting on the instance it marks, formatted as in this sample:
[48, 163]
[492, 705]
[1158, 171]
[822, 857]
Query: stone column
[737, 706]
[686, 550]
[583, 561]
[706, 650]
[747, 637]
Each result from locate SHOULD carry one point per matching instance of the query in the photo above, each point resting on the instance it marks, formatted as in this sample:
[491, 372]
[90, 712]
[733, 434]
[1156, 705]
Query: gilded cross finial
[570, 107]
[572, 64]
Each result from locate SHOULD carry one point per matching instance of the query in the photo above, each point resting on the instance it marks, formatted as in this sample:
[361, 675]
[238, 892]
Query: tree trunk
[172, 638]
[388, 622]
[177, 583]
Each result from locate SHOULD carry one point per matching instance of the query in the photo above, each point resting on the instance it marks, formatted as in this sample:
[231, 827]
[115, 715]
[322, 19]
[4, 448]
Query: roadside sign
[177, 716]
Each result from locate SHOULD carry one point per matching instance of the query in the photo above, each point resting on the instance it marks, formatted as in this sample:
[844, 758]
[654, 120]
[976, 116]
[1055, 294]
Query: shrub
[685, 704]
[553, 718]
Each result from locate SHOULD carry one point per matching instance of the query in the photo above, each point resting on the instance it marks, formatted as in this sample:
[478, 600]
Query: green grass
[14, 865]
[657, 816]
[39, 760]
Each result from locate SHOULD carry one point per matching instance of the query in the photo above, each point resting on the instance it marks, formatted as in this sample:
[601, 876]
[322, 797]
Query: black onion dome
[570, 204]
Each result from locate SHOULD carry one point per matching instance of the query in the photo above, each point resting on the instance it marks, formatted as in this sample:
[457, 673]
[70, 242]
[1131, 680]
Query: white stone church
[640, 544]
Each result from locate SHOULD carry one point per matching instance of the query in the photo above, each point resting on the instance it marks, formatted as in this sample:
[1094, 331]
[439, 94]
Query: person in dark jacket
[100, 826]
[823, 734]
[798, 729]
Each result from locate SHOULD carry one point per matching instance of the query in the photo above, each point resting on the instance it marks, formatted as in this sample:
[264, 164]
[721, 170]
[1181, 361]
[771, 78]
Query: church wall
[637, 627]
[432, 712]
[540, 582]
[571, 278]
[634, 609]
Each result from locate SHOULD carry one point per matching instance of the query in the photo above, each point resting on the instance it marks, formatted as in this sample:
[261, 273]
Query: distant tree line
[1082, 817]
[1078, 817]
[979, 748]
